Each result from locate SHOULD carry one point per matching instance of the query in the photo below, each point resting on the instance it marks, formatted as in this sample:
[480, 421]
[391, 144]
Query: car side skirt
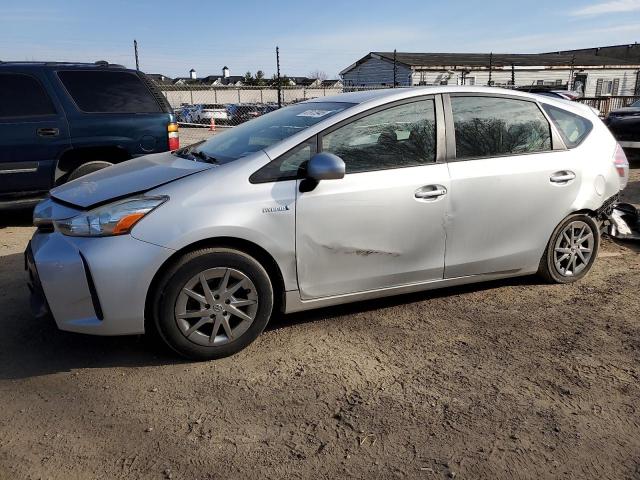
[294, 303]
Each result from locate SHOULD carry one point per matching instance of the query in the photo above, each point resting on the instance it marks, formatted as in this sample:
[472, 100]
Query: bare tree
[319, 75]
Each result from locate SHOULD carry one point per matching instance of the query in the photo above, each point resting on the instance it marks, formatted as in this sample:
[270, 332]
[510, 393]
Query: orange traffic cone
[212, 125]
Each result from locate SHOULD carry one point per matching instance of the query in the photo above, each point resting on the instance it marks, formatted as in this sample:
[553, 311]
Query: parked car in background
[210, 111]
[60, 121]
[624, 123]
[328, 201]
[187, 113]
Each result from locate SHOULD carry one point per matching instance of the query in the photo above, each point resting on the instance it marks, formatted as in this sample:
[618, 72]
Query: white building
[594, 75]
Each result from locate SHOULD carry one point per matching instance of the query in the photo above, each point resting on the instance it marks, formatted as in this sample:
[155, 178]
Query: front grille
[45, 227]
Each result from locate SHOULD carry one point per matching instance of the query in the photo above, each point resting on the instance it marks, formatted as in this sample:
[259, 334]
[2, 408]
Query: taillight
[174, 137]
[622, 166]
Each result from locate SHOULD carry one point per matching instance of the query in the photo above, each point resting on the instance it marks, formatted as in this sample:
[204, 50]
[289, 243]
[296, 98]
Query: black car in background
[624, 123]
[59, 121]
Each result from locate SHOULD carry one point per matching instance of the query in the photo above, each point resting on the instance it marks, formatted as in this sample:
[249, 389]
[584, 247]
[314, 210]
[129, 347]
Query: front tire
[212, 303]
[571, 251]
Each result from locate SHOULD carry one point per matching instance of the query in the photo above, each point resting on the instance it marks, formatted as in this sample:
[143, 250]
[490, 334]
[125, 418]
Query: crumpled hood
[127, 178]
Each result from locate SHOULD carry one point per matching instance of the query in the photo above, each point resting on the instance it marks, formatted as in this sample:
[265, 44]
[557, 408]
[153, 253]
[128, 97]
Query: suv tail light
[622, 165]
[174, 138]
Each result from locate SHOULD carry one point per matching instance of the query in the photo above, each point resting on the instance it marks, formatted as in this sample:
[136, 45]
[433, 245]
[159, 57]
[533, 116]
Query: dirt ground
[510, 379]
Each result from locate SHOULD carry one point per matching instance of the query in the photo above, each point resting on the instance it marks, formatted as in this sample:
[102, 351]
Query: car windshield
[264, 131]
[636, 104]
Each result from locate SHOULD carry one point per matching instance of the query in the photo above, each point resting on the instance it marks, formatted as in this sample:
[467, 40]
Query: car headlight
[116, 218]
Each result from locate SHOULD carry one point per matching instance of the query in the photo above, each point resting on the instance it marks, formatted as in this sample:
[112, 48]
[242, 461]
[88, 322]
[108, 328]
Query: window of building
[492, 126]
[23, 96]
[401, 136]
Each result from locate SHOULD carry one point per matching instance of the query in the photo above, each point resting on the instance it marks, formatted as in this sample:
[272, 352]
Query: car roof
[389, 94]
[66, 65]
[372, 98]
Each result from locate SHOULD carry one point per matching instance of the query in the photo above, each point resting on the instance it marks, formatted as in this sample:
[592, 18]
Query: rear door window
[493, 126]
[573, 128]
[23, 96]
[108, 92]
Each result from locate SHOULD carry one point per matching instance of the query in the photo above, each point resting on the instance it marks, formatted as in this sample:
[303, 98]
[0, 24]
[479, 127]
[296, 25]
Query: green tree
[259, 78]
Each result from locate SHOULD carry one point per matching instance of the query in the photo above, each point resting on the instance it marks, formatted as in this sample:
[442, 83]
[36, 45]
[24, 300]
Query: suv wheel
[212, 303]
[87, 168]
[571, 251]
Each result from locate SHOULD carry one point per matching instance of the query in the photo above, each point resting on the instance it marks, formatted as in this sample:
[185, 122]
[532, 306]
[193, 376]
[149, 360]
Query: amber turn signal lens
[126, 223]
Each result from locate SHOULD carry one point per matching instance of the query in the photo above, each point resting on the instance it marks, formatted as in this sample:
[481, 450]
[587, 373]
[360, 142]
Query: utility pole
[570, 82]
[395, 69]
[135, 51]
[490, 67]
[278, 73]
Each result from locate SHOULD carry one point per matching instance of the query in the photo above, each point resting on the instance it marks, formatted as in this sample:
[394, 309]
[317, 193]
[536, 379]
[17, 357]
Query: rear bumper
[627, 144]
[92, 285]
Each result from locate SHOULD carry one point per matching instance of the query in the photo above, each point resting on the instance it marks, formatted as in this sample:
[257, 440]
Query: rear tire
[87, 168]
[212, 303]
[571, 250]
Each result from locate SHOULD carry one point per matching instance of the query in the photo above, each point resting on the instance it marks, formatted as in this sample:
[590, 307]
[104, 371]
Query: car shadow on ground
[16, 218]
[31, 347]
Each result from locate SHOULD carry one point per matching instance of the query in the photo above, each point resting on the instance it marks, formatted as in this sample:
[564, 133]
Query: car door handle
[562, 177]
[47, 132]
[430, 192]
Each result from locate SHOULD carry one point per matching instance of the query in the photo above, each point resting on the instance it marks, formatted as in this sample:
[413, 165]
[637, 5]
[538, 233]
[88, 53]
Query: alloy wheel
[573, 249]
[216, 306]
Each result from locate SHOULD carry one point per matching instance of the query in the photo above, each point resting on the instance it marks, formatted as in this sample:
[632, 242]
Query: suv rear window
[573, 128]
[108, 92]
[23, 96]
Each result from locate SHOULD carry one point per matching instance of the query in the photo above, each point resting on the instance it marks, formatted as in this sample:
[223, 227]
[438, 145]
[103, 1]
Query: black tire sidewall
[551, 271]
[174, 280]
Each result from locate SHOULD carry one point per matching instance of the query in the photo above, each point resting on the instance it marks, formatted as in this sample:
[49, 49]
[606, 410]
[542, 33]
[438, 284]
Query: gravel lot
[510, 379]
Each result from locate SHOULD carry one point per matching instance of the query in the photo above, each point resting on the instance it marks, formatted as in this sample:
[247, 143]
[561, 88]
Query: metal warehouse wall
[377, 72]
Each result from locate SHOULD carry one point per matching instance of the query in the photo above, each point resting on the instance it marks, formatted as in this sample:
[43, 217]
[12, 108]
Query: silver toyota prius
[328, 201]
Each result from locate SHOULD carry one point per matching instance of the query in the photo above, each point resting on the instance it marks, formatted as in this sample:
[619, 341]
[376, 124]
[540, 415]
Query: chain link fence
[203, 111]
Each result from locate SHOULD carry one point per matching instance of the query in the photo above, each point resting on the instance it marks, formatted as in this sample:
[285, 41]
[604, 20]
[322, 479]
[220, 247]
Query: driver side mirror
[325, 166]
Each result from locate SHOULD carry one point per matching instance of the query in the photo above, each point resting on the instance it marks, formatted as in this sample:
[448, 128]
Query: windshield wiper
[203, 156]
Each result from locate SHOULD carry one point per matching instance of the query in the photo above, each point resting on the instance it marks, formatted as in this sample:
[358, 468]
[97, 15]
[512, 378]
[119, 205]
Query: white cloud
[553, 41]
[615, 6]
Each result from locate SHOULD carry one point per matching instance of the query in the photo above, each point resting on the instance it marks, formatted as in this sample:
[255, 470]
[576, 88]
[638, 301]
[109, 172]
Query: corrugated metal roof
[500, 59]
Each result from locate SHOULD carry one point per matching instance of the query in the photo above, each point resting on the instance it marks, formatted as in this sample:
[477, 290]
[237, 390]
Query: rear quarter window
[108, 92]
[573, 128]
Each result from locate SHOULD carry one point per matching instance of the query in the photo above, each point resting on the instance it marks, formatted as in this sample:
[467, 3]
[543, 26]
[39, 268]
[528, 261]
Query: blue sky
[174, 36]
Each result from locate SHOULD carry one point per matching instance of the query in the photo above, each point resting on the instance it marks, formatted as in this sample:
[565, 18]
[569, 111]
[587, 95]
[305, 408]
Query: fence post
[239, 96]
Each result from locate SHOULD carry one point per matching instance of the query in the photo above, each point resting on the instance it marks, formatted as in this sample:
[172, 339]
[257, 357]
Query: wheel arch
[245, 246]
[74, 157]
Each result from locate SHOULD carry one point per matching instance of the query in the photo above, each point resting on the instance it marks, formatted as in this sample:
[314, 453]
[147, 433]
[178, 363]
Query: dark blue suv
[59, 121]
